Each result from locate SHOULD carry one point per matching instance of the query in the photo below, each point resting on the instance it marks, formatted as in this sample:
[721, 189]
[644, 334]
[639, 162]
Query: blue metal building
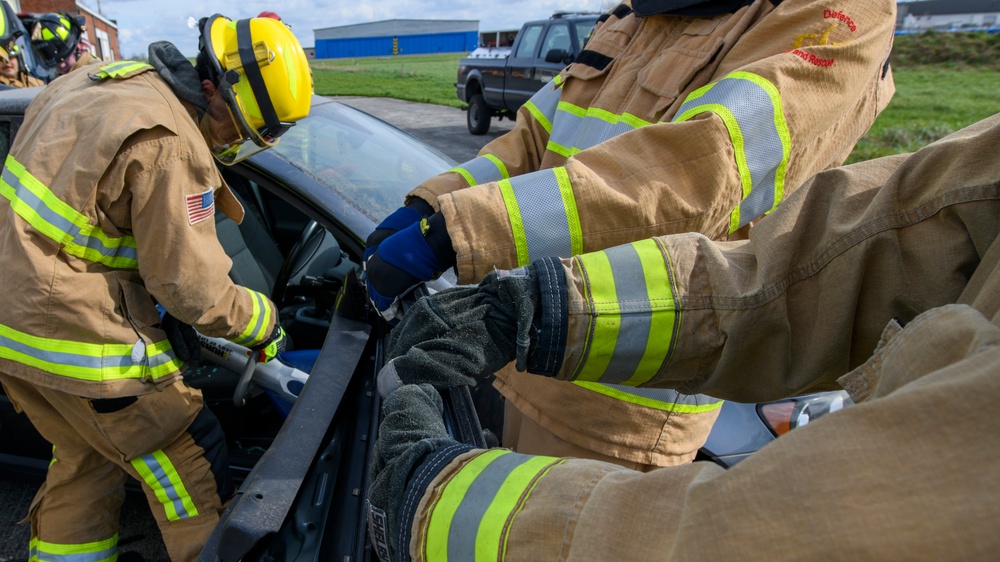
[396, 37]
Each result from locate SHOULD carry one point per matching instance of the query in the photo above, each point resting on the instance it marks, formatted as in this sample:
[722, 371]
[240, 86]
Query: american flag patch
[200, 206]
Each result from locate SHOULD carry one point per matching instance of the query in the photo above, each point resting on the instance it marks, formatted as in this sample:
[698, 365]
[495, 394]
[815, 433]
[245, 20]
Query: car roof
[15, 100]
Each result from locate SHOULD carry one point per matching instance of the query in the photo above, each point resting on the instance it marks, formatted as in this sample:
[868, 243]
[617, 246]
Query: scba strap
[692, 8]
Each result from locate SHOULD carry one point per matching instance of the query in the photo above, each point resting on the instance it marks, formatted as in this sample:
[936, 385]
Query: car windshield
[367, 162]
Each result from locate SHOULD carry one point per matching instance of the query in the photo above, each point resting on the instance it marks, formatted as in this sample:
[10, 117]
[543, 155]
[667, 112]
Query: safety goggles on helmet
[263, 76]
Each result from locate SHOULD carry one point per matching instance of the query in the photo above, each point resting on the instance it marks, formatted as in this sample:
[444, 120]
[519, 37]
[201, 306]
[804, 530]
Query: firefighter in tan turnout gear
[882, 278]
[678, 116]
[109, 194]
[11, 72]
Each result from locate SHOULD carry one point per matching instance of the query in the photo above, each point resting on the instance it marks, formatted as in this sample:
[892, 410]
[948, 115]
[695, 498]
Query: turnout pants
[167, 440]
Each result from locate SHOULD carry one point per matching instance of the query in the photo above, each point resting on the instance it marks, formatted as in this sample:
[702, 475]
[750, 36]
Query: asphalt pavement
[442, 127]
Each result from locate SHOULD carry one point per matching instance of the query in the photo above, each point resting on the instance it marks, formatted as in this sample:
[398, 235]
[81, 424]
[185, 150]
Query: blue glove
[401, 218]
[418, 253]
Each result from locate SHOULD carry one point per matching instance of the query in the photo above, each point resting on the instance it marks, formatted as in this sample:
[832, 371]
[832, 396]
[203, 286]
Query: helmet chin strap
[695, 8]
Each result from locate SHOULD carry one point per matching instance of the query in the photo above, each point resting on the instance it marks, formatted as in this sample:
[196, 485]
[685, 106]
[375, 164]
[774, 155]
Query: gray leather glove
[413, 429]
[451, 337]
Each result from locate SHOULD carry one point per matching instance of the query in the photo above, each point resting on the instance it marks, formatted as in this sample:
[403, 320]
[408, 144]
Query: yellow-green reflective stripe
[657, 398]
[499, 164]
[572, 213]
[600, 288]
[542, 105]
[542, 119]
[470, 520]
[575, 128]
[482, 169]
[443, 513]
[159, 474]
[469, 179]
[755, 114]
[736, 137]
[122, 68]
[260, 318]
[654, 289]
[98, 551]
[516, 223]
[59, 222]
[644, 319]
[86, 361]
[543, 213]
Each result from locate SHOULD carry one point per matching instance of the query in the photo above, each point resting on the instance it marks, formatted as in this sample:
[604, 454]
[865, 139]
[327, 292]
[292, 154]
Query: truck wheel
[478, 115]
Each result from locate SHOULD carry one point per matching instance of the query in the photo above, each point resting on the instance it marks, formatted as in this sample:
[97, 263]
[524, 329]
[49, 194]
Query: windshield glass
[367, 162]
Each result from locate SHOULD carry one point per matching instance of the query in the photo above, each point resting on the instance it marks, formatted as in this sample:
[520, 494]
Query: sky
[141, 22]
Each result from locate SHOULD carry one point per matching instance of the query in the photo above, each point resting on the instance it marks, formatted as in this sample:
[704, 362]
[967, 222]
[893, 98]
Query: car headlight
[785, 415]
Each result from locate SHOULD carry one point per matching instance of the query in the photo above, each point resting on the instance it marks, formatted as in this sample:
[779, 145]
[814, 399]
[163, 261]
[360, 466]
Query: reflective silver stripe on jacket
[542, 105]
[632, 327]
[750, 106]
[543, 215]
[483, 169]
[575, 128]
[37, 205]
[486, 490]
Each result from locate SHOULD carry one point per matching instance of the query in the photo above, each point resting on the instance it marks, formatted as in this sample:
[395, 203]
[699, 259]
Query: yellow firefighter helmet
[262, 73]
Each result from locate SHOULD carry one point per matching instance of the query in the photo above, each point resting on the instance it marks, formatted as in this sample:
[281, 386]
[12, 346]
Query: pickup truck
[496, 80]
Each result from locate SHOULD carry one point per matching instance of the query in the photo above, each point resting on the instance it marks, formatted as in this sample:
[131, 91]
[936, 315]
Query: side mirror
[559, 55]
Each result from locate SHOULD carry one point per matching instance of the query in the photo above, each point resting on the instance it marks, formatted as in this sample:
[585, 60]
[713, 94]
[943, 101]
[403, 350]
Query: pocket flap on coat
[673, 69]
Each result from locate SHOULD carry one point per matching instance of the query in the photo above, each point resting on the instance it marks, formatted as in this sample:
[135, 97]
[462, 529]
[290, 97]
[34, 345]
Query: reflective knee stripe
[543, 215]
[87, 361]
[542, 105]
[256, 330]
[635, 316]
[750, 107]
[122, 69]
[490, 488]
[160, 475]
[484, 169]
[657, 398]
[100, 551]
[64, 225]
[575, 128]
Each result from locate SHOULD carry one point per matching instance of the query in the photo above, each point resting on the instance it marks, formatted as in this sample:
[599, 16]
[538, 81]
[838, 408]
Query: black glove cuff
[440, 242]
[422, 207]
[552, 324]
[420, 479]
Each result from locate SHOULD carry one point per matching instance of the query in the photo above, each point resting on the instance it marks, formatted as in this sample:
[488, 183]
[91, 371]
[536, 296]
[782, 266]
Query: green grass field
[421, 78]
[929, 104]
[943, 83]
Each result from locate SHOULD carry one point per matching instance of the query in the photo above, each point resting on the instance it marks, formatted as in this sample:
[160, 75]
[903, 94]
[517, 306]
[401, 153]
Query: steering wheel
[285, 273]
